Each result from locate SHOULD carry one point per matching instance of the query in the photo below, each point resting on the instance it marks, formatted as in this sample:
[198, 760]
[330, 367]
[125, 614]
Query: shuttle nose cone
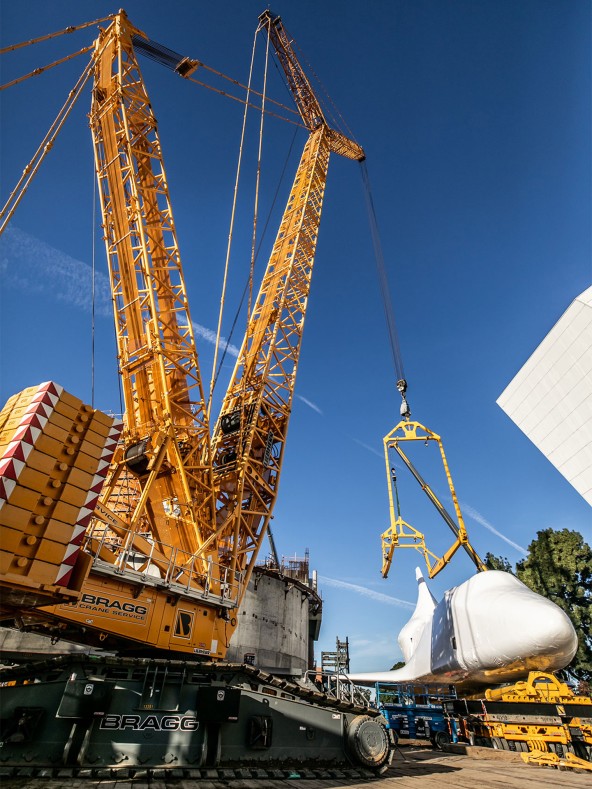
[500, 621]
[548, 628]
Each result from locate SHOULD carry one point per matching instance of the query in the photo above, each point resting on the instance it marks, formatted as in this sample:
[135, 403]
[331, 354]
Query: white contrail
[363, 590]
[318, 410]
[30, 264]
[367, 446]
[210, 336]
[476, 516]
[310, 404]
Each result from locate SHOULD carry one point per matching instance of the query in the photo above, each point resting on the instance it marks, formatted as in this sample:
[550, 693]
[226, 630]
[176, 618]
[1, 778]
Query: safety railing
[337, 686]
[140, 557]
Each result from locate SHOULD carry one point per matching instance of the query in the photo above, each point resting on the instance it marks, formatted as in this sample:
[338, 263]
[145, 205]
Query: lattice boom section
[158, 360]
[55, 453]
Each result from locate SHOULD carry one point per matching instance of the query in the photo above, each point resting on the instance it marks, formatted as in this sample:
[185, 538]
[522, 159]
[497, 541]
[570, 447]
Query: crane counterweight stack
[55, 452]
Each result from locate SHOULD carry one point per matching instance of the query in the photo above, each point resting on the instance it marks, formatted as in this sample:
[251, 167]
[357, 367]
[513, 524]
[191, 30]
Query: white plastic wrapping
[490, 629]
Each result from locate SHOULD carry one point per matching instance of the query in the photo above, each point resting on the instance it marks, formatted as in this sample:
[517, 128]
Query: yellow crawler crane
[181, 517]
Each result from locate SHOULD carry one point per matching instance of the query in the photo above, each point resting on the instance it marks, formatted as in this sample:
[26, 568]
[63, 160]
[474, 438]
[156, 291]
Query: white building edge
[550, 398]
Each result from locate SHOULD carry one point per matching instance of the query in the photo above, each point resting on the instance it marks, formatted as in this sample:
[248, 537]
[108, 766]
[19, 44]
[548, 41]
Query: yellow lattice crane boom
[182, 514]
[151, 580]
[250, 435]
[308, 105]
[166, 433]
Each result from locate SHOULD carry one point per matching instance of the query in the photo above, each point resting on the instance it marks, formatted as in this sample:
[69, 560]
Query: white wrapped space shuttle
[489, 629]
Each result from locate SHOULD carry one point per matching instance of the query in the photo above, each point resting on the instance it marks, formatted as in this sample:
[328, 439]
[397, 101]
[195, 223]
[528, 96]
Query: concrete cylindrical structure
[278, 622]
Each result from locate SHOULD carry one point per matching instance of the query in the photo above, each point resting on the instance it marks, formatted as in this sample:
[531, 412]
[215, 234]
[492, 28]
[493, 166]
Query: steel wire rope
[261, 240]
[93, 289]
[176, 62]
[383, 282]
[221, 92]
[335, 115]
[263, 234]
[230, 233]
[45, 146]
[257, 184]
[249, 330]
[42, 69]
[70, 29]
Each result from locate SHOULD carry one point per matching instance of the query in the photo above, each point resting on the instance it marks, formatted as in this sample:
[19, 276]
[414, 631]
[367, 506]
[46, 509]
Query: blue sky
[476, 120]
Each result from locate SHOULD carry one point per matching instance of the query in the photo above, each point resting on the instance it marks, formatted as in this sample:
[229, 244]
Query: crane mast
[166, 433]
[153, 556]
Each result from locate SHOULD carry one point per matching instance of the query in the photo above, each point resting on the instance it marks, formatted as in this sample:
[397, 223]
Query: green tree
[498, 563]
[559, 567]
[398, 664]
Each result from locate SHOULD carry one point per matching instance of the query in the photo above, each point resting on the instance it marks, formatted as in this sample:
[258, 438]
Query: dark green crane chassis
[139, 715]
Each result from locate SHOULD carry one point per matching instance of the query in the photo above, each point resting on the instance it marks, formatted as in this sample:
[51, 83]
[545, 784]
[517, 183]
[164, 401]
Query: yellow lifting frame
[401, 534]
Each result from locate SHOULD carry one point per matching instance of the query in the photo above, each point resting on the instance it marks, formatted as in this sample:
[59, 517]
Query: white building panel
[550, 398]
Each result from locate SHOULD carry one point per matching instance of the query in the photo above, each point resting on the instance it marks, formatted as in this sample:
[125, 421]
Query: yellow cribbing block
[80, 479]
[36, 480]
[88, 447]
[11, 540]
[55, 431]
[26, 499]
[71, 400]
[47, 445]
[7, 581]
[75, 497]
[59, 421]
[17, 404]
[48, 551]
[72, 412]
[15, 517]
[42, 572]
[39, 461]
[57, 530]
[84, 461]
[99, 418]
[14, 540]
[67, 513]
[6, 560]
[95, 439]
